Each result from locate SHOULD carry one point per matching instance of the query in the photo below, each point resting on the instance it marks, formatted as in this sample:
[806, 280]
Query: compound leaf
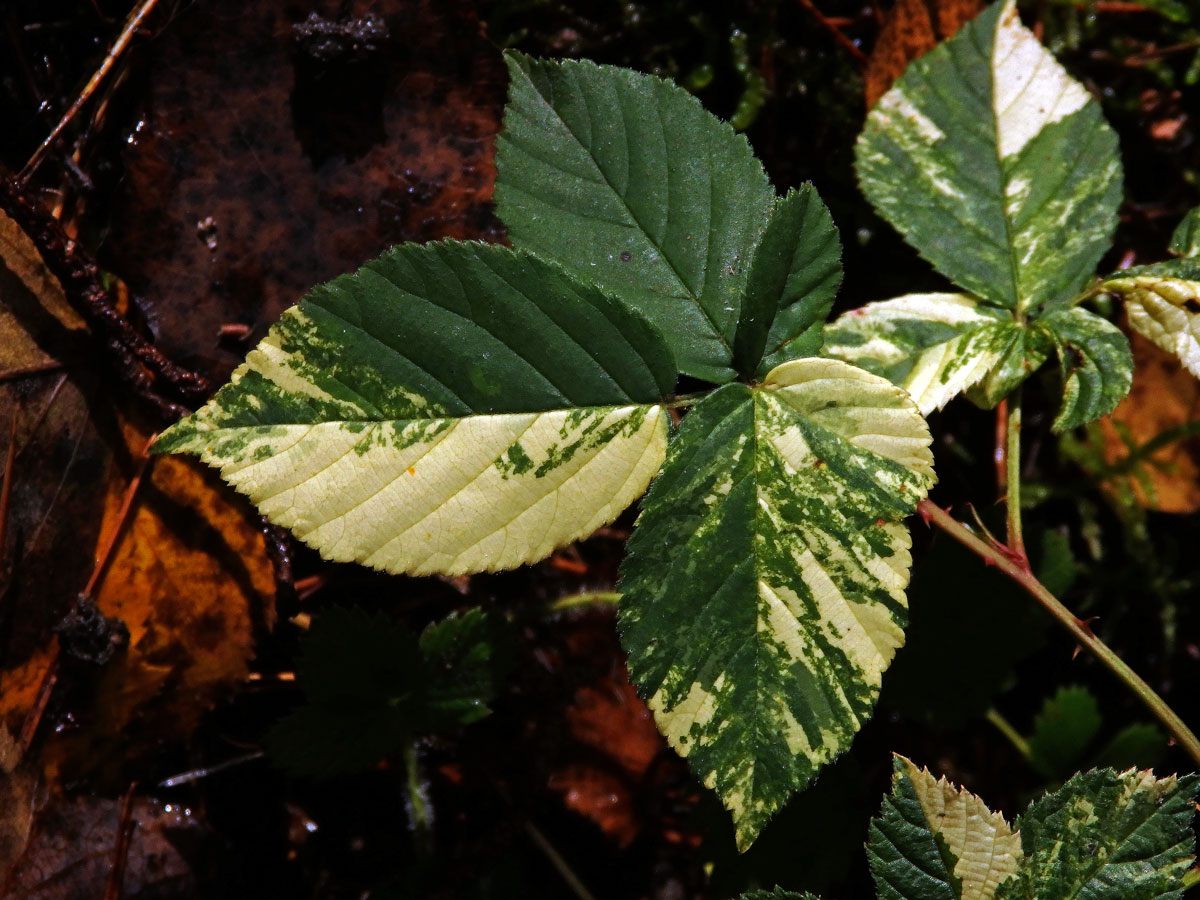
[1107, 836]
[448, 408]
[1096, 362]
[794, 277]
[933, 841]
[763, 593]
[1163, 303]
[995, 165]
[627, 181]
[935, 346]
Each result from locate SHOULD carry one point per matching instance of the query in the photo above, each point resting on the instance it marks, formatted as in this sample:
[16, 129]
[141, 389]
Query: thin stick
[45, 689]
[1183, 735]
[116, 874]
[131, 25]
[556, 860]
[847, 44]
[26, 371]
[126, 505]
[6, 486]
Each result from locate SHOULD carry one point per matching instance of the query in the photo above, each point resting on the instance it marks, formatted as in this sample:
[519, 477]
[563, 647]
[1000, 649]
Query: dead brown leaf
[190, 579]
[912, 28]
[1164, 396]
[72, 844]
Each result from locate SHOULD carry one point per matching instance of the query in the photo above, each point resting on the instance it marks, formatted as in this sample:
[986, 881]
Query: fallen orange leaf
[1164, 396]
[911, 29]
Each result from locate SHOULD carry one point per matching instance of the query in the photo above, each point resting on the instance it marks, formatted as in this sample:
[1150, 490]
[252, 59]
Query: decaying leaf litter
[239, 276]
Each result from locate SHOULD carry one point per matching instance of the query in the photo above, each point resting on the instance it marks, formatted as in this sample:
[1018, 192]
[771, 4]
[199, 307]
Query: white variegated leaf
[763, 594]
[995, 165]
[1163, 303]
[935, 346]
[449, 408]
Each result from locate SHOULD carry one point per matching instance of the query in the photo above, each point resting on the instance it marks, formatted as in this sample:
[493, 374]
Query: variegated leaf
[1096, 363]
[793, 279]
[935, 346]
[763, 593]
[628, 182]
[1107, 836]
[995, 165]
[934, 841]
[448, 408]
[1185, 240]
[1163, 303]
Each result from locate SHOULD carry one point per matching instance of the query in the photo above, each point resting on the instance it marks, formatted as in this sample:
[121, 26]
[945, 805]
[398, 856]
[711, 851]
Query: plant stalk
[1007, 564]
[1005, 728]
[1012, 461]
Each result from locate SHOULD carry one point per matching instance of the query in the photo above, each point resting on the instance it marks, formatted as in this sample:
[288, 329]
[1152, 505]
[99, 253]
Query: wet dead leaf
[1164, 396]
[73, 842]
[190, 579]
[49, 386]
[277, 150]
[911, 29]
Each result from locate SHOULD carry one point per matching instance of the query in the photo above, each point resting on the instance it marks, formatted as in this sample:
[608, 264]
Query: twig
[1183, 735]
[102, 559]
[116, 875]
[131, 25]
[849, 45]
[140, 364]
[556, 860]
[27, 371]
[6, 486]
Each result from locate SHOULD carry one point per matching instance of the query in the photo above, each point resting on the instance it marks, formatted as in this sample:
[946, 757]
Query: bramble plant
[460, 407]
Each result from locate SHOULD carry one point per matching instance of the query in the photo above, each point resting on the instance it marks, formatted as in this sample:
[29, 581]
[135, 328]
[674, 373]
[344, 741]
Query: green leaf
[1175, 10]
[1186, 239]
[1107, 836]
[1163, 302]
[370, 684]
[627, 181]
[794, 277]
[776, 894]
[763, 593]
[1140, 744]
[1096, 363]
[933, 841]
[995, 165]
[448, 408]
[935, 346]
[467, 657]
[1067, 723]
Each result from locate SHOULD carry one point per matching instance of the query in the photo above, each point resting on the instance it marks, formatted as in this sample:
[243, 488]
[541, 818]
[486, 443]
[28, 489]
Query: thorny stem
[1021, 574]
[1012, 479]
